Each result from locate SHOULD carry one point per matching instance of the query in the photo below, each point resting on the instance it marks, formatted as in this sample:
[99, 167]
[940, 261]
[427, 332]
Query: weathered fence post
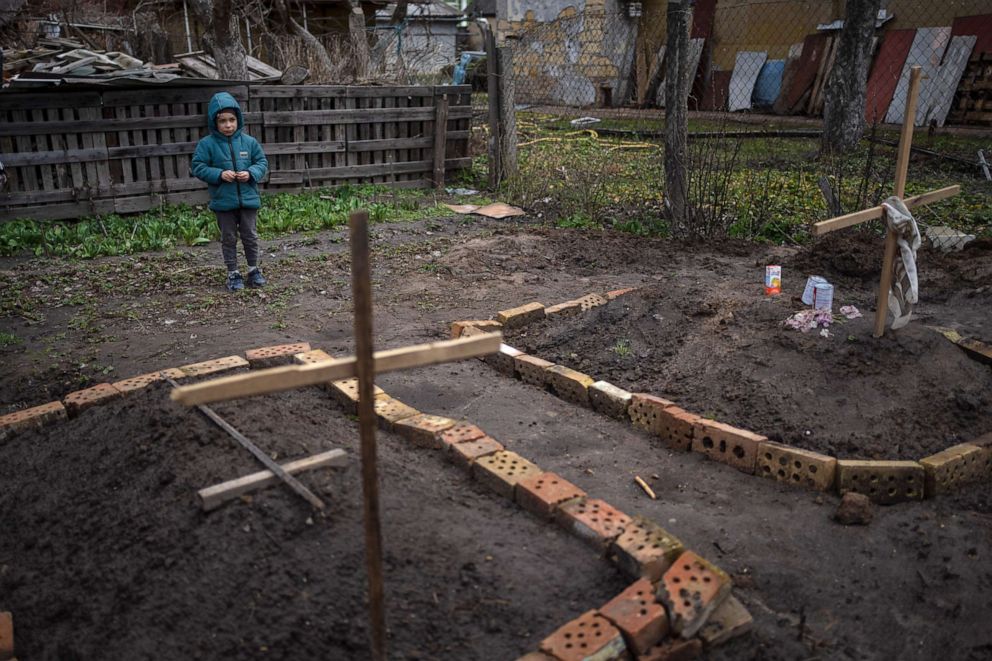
[492, 76]
[507, 114]
[440, 138]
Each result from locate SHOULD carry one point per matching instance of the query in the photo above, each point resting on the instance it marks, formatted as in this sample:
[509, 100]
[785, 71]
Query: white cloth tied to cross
[905, 290]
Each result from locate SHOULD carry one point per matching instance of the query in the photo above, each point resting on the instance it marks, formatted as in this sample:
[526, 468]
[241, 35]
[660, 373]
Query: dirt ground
[109, 557]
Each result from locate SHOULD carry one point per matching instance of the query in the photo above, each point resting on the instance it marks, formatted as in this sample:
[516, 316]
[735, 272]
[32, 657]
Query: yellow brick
[532, 370]
[214, 366]
[566, 309]
[489, 325]
[884, 482]
[521, 316]
[568, 384]
[390, 411]
[796, 466]
[956, 465]
[311, 357]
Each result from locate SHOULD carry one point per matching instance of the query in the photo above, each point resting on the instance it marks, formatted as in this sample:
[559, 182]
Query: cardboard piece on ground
[462, 208]
[496, 210]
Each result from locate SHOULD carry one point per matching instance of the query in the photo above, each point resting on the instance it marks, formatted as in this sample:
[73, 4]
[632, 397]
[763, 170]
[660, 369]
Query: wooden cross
[365, 364]
[902, 167]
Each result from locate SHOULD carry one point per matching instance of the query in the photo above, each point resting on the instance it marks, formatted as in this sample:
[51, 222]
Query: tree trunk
[359, 39]
[677, 111]
[844, 105]
[312, 42]
[221, 37]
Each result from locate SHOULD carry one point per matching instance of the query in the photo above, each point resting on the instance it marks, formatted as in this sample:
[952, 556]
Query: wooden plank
[156, 95]
[99, 141]
[59, 174]
[403, 138]
[440, 136]
[213, 497]
[334, 91]
[53, 157]
[100, 126]
[27, 174]
[58, 211]
[18, 100]
[378, 169]
[277, 379]
[885, 73]
[362, 116]
[857, 217]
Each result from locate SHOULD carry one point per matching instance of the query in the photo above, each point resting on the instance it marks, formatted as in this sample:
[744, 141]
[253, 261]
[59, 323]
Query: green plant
[9, 339]
[621, 348]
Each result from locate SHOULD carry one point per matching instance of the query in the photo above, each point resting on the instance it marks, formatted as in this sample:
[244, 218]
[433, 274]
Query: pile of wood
[67, 57]
[974, 100]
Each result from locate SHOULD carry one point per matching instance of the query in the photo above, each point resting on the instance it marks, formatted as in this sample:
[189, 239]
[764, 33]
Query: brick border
[750, 453]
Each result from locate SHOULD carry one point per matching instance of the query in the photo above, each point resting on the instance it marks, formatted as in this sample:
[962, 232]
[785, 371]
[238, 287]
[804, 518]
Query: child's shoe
[255, 277]
[235, 282]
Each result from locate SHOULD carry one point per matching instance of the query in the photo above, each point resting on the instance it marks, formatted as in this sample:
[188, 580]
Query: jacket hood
[223, 101]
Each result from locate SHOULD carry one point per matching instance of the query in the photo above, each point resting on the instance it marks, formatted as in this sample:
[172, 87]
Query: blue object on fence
[769, 83]
[462, 67]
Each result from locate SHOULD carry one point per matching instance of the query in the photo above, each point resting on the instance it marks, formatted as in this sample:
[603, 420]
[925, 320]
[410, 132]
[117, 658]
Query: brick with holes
[645, 549]
[959, 464]
[79, 401]
[590, 301]
[390, 411]
[521, 316]
[884, 482]
[487, 325]
[785, 463]
[568, 384]
[214, 366]
[126, 386]
[277, 354]
[589, 637]
[592, 520]
[532, 370]
[6, 635]
[423, 429]
[676, 427]
[345, 392]
[691, 589]
[674, 649]
[502, 470]
[617, 293]
[730, 445]
[728, 621]
[465, 454]
[645, 411]
[460, 432]
[36, 416]
[504, 360]
[609, 400]
[543, 493]
[984, 442]
[566, 309]
[638, 616]
[311, 357]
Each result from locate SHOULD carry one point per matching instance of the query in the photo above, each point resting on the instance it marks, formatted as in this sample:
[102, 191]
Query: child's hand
[244, 176]
[228, 175]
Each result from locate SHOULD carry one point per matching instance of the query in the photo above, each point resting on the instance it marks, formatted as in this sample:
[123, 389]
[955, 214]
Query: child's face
[227, 123]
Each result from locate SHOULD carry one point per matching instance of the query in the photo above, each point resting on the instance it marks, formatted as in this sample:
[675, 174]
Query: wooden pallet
[973, 100]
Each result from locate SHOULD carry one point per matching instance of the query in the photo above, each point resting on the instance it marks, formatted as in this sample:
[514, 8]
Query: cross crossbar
[857, 217]
[277, 379]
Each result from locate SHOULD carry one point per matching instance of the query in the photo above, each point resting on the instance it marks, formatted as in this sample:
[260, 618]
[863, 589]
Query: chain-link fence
[773, 57]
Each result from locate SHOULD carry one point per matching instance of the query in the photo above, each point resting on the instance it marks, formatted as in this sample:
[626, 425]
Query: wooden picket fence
[70, 154]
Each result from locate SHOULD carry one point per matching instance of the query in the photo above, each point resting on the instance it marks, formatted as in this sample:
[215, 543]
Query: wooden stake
[644, 485]
[902, 168]
[440, 139]
[361, 286]
[857, 217]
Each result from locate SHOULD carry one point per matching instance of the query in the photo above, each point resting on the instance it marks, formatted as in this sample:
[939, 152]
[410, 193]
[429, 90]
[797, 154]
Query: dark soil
[718, 347]
[105, 553]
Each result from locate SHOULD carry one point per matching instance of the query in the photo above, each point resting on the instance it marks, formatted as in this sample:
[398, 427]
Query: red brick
[640, 618]
[645, 549]
[691, 590]
[36, 416]
[593, 520]
[674, 649]
[532, 370]
[536, 656]
[214, 366]
[521, 316]
[487, 325]
[616, 293]
[278, 354]
[730, 445]
[728, 621]
[543, 493]
[6, 635]
[645, 411]
[101, 393]
[589, 637]
[390, 411]
[502, 470]
[126, 386]
[503, 361]
[676, 427]
[423, 430]
[460, 433]
[465, 454]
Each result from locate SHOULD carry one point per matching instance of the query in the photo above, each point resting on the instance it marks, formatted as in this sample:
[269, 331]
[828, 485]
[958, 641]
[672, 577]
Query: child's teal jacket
[216, 152]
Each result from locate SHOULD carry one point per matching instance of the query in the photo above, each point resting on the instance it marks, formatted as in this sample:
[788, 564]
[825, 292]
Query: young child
[232, 163]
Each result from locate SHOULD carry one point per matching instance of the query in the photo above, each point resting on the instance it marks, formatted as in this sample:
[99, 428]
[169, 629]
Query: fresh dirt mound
[104, 553]
[726, 354]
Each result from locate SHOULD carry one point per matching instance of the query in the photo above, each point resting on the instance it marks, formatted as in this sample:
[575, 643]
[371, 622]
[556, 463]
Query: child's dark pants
[233, 223]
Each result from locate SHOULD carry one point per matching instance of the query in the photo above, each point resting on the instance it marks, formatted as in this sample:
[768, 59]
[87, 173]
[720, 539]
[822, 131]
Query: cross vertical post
[902, 168]
[361, 285]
